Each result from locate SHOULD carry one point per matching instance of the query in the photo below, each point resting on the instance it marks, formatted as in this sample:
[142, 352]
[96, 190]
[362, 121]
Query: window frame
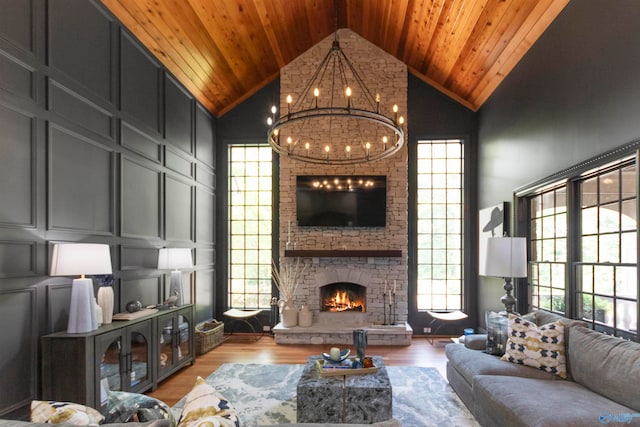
[573, 176]
[270, 236]
[463, 220]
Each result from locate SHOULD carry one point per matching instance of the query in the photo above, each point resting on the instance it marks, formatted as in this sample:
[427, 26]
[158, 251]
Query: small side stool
[244, 316]
[442, 318]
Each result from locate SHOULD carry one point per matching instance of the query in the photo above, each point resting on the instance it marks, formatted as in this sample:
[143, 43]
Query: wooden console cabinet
[132, 355]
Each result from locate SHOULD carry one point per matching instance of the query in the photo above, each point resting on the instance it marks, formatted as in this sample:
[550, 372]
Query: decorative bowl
[343, 355]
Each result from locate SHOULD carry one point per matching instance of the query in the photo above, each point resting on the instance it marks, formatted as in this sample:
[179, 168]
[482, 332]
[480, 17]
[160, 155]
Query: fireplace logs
[339, 297]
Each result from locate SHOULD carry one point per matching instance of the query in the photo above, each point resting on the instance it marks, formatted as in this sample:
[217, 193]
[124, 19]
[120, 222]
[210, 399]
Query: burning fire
[342, 302]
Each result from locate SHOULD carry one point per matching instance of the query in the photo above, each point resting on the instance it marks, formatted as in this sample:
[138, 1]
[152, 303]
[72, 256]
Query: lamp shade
[174, 258]
[74, 259]
[505, 257]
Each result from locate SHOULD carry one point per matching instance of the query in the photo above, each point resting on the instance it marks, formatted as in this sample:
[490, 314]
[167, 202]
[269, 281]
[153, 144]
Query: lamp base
[82, 311]
[175, 288]
[507, 299]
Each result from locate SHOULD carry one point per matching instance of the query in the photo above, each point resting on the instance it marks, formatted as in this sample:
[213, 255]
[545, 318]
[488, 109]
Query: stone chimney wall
[386, 75]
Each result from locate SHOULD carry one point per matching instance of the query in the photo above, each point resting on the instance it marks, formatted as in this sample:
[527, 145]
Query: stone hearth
[343, 334]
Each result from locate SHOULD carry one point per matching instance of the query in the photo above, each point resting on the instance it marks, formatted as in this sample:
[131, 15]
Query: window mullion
[574, 247]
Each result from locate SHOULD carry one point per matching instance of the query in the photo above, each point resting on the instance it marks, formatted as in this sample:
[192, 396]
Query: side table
[363, 399]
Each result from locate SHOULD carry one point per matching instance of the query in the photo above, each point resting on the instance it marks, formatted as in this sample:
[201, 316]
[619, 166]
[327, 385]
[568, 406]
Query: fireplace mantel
[346, 253]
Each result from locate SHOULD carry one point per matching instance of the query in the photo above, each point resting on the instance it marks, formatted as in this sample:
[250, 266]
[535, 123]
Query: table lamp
[175, 259]
[72, 259]
[505, 257]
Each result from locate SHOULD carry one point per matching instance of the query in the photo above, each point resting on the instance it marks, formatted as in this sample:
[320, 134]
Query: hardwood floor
[245, 349]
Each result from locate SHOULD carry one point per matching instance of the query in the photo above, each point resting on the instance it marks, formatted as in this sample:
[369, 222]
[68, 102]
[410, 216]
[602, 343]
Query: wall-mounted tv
[341, 201]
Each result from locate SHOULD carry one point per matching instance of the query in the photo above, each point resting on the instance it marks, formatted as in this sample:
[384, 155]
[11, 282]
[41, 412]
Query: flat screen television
[341, 201]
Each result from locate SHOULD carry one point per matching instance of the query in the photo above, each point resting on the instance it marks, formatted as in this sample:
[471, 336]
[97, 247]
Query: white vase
[305, 317]
[105, 301]
[289, 314]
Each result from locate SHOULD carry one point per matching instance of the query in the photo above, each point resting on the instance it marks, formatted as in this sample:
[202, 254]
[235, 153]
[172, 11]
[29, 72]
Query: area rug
[266, 395]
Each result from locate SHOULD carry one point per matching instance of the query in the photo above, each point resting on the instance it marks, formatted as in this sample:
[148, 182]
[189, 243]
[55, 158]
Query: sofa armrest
[476, 341]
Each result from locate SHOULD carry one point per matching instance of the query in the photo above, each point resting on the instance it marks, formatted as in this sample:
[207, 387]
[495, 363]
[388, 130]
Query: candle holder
[393, 312]
[384, 308]
[391, 320]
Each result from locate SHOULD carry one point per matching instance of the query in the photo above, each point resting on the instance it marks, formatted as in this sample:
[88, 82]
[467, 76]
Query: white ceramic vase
[105, 301]
[288, 314]
[305, 317]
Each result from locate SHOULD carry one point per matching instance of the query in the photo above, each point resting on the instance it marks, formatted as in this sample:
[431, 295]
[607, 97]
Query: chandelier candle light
[353, 128]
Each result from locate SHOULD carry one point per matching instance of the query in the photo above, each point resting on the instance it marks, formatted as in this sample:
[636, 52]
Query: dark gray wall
[98, 144]
[575, 94]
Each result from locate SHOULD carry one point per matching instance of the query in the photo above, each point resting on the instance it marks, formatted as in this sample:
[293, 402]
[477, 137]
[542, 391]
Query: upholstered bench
[244, 316]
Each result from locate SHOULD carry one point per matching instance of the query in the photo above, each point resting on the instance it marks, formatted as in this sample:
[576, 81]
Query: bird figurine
[171, 301]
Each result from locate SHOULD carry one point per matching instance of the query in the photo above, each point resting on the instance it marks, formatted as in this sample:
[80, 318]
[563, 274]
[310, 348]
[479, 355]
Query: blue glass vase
[360, 342]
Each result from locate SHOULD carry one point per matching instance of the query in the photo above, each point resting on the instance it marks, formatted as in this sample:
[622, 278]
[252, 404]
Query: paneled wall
[98, 143]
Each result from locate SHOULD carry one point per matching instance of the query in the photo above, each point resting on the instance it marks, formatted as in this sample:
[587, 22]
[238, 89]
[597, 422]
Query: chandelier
[335, 119]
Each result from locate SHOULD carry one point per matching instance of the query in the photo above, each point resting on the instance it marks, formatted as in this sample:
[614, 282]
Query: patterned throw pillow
[124, 407]
[204, 407]
[51, 412]
[540, 347]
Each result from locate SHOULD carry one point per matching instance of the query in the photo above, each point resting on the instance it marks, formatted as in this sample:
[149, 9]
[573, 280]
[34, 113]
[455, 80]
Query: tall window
[250, 217]
[440, 224]
[548, 225]
[607, 278]
[597, 280]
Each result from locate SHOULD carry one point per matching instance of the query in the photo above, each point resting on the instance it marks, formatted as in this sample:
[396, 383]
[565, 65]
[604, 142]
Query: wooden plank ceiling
[224, 51]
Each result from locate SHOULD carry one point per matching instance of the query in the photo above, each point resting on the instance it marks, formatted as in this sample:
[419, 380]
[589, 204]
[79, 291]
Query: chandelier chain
[318, 144]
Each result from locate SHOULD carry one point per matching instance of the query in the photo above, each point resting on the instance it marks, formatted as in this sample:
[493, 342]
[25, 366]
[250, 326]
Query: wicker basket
[209, 335]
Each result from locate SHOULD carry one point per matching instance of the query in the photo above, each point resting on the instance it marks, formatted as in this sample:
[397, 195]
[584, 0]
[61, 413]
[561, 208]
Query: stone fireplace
[372, 260]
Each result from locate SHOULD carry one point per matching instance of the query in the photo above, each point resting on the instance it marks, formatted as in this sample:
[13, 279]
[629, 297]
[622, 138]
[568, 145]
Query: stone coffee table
[363, 399]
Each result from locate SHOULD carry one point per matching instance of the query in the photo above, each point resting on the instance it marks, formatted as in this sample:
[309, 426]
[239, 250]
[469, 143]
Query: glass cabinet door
[139, 356]
[184, 345]
[110, 354]
[175, 340]
[165, 330]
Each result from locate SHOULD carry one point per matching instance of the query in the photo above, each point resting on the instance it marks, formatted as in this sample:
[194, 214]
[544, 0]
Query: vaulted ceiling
[224, 51]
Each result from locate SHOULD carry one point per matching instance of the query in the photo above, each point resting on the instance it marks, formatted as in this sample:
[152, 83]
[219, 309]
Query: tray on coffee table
[327, 369]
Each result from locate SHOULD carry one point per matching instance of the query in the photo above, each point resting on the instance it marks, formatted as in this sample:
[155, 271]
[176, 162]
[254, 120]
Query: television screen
[341, 201]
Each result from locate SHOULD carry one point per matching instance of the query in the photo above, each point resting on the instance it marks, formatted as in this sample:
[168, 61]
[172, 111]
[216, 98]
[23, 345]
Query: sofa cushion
[155, 423]
[538, 347]
[389, 423]
[542, 317]
[470, 363]
[205, 407]
[607, 365]
[515, 402]
[123, 407]
[46, 411]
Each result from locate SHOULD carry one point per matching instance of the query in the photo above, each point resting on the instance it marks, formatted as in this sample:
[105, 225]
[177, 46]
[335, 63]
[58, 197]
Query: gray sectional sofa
[602, 387]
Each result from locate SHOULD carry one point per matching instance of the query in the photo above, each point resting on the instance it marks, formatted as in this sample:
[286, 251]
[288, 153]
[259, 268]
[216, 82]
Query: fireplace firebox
[343, 296]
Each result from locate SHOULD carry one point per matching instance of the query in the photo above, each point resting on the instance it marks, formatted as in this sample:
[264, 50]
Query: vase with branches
[287, 278]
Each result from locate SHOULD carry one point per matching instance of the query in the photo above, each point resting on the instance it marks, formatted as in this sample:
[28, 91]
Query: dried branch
[287, 277]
